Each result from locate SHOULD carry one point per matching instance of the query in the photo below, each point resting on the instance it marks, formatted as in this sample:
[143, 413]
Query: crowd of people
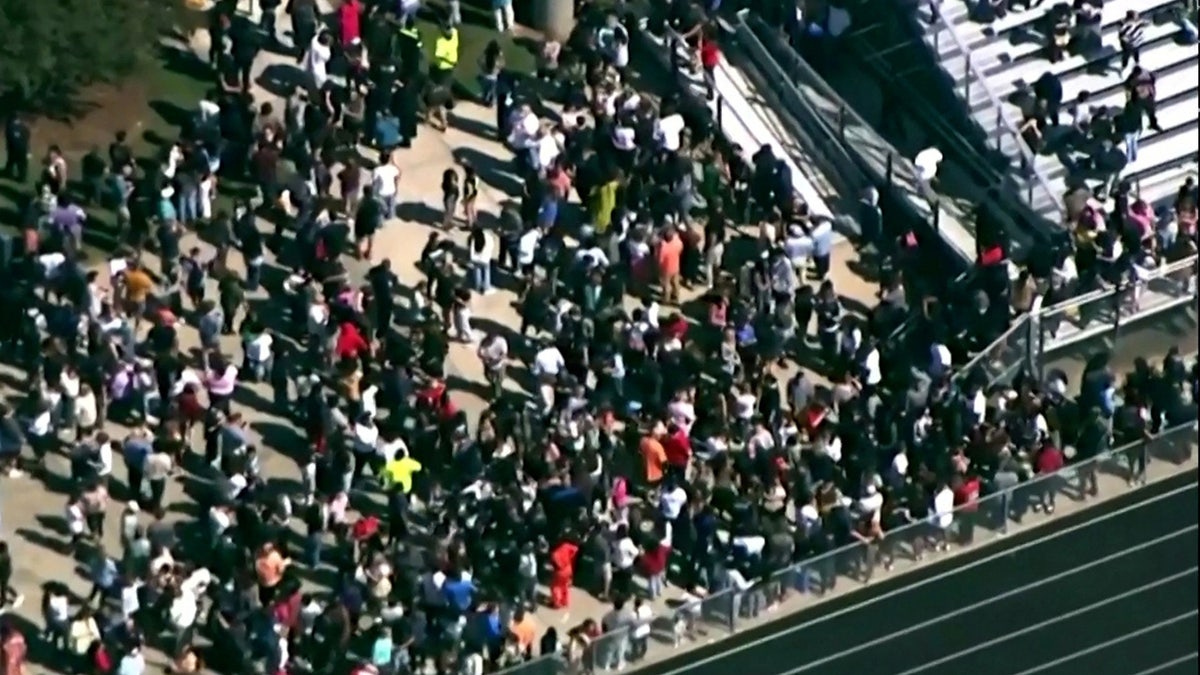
[626, 445]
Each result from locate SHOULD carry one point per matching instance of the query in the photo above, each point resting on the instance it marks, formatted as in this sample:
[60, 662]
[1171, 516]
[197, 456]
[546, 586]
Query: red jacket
[1050, 459]
[563, 560]
[350, 342]
[678, 448]
[349, 15]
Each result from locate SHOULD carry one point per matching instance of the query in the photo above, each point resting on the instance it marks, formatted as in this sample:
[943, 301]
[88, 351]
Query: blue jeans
[481, 276]
[253, 274]
[487, 89]
[1131, 146]
[189, 205]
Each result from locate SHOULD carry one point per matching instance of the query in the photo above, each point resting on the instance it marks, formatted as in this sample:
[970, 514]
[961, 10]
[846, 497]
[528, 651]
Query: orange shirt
[669, 253]
[524, 632]
[138, 284]
[655, 458]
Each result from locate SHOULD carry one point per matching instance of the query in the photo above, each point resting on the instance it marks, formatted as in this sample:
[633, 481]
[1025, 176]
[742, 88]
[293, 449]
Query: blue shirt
[459, 593]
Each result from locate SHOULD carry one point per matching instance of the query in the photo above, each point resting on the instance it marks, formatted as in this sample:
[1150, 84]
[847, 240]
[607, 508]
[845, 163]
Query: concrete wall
[555, 18]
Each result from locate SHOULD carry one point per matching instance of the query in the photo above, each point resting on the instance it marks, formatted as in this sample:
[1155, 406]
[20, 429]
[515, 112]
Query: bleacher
[1010, 56]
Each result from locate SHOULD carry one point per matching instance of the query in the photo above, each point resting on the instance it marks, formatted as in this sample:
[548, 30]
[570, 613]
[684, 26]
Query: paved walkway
[31, 512]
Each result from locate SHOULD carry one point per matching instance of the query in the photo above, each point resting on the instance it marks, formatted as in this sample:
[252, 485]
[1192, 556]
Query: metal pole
[999, 121]
[890, 168]
[842, 122]
[720, 112]
[937, 216]
[967, 81]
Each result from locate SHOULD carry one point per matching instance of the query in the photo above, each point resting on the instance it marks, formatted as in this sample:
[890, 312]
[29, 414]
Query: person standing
[1131, 35]
[304, 25]
[669, 255]
[16, 143]
[385, 184]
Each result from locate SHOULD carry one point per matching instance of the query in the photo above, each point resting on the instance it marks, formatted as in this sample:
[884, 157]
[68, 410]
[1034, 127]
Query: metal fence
[1034, 185]
[1033, 338]
[730, 610]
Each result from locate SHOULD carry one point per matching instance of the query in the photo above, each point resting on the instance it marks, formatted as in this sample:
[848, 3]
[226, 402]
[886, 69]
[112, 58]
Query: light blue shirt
[132, 664]
[822, 238]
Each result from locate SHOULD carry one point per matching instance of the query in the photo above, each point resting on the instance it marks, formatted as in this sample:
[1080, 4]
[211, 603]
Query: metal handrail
[1027, 155]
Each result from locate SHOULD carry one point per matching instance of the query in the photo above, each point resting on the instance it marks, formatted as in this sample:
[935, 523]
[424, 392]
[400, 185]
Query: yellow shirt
[400, 472]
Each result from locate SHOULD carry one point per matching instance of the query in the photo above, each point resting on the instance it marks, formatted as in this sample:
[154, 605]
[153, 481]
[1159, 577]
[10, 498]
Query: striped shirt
[1132, 33]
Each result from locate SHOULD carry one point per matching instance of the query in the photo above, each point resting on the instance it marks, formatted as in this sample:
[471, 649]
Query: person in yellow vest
[445, 56]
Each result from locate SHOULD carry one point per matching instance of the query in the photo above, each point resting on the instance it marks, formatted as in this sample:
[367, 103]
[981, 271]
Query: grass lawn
[477, 30]
[152, 103]
[149, 105]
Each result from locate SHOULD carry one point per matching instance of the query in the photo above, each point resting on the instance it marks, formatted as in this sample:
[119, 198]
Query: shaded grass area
[149, 106]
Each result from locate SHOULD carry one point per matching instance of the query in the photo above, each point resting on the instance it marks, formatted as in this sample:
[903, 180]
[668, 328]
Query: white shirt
[106, 459]
[545, 151]
[668, 130]
[130, 603]
[258, 350]
[871, 365]
[383, 179]
[59, 609]
[549, 361]
[672, 501]
[625, 554]
[624, 138]
[943, 508]
[927, 162]
[527, 246]
[365, 437]
[389, 450]
[188, 376]
[183, 610]
[644, 616]
[40, 424]
[484, 254]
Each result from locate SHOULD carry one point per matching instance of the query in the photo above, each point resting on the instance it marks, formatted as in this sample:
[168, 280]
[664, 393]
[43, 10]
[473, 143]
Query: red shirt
[654, 560]
[350, 341]
[710, 54]
[1049, 460]
[678, 448]
[966, 495]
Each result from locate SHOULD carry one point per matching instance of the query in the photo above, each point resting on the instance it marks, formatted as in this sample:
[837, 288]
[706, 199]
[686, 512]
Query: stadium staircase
[1002, 60]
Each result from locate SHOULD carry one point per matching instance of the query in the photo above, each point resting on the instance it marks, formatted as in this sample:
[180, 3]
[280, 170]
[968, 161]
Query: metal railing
[730, 610]
[1035, 183]
[1033, 338]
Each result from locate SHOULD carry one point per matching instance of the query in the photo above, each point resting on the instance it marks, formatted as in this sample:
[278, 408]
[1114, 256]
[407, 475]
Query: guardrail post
[890, 168]
[937, 216]
[967, 80]
[842, 122]
[720, 111]
[1005, 509]
[999, 124]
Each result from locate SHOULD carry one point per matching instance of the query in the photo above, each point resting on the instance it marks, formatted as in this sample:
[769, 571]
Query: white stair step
[1114, 11]
[1181, 147]
[1076, 77]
